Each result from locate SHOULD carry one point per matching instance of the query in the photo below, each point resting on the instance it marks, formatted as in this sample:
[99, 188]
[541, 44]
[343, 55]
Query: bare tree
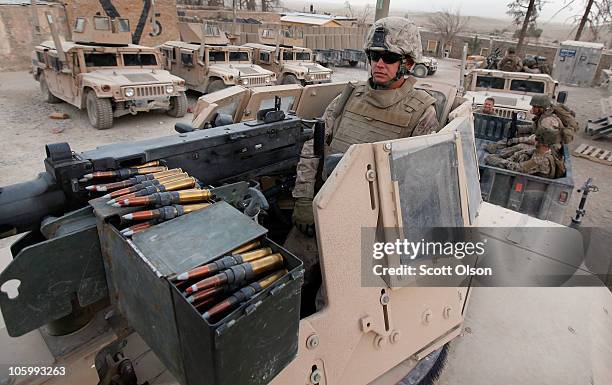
[597, 15]
[524, 12]
[349, 10]
[367, 11]
[447, 24]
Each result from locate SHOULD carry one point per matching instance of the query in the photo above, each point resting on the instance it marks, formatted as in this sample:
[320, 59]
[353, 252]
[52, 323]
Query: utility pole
[382, 9]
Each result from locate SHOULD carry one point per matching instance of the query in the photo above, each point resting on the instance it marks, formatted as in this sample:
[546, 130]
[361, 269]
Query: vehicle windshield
[302, 56]
[239, 56]
[287, 55]
[100, 60]
[139, 59]
[527, 86]
[490, 82]
[216, 56]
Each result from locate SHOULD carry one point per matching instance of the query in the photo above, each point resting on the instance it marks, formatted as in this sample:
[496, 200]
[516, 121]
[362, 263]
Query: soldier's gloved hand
[303, 216]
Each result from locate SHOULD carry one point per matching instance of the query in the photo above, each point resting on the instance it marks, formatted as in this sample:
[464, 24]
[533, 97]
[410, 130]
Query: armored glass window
[264, 56]
[142, 59]
[168, 53]
[302, 56]
[239, 56]
[100, 60]
[286, 103]
[267, 33]
[527, 86]
[79, 24]
[55, 63]
[287, 55]
[211, 30]
[102, 23]
[216, 56]
[490, 82]
[124, 25]
[40, 57]
[187, 58]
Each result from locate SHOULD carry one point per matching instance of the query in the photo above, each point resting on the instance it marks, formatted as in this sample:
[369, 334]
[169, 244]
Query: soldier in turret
[385, 107]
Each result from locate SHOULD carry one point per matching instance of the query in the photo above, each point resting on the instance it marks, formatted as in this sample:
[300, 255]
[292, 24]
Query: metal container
[249, 346]
[576, 62]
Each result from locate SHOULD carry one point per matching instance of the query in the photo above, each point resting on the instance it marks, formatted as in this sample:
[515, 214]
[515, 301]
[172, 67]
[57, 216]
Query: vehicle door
[188, 67]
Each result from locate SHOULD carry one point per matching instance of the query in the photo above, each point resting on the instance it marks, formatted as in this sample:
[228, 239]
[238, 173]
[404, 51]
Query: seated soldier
[487, 108]
[539, 161]
[544, 118]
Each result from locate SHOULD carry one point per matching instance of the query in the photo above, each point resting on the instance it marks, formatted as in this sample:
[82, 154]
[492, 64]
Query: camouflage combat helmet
[395, 34]
[547, 136]
[541, 101]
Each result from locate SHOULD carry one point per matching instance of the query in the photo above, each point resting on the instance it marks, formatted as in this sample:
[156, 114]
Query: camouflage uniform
[510, 63]
[372, 115]
[530, 161]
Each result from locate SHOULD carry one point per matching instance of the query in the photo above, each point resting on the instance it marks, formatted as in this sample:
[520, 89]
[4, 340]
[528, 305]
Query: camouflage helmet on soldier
[547, 137]
[395, 34]
[541, 101]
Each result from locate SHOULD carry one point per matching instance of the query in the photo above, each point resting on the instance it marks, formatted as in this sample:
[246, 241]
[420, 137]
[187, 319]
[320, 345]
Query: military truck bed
[536, 196]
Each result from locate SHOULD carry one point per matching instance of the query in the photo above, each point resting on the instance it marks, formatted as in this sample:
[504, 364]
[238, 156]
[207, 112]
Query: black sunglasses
[387, 57]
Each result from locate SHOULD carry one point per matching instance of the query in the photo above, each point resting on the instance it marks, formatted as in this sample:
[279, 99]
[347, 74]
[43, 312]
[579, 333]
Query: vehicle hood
[245, 70]
[124, 77]
[502, 99]
[306, 67]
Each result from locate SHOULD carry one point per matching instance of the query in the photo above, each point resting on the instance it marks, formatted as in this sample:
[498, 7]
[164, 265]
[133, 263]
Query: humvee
[281, 52]
[208, 63]
[377, 334]
[292, 65]
[425, 67]
[100, 71]
[512, 91]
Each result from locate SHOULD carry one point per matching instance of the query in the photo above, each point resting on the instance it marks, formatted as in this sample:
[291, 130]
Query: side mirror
[562, 97]
[182, 128]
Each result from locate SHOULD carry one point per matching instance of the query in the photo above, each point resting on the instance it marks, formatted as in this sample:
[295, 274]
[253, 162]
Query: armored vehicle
[100, 71]
[208, 63]
[512, 91]
[149, 331]
[292, 65]
[425, 67]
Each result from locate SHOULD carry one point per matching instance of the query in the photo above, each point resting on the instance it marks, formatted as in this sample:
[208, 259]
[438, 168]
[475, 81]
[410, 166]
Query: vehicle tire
[420, 71]
[178, 106]
[44, 88]
[215, 85]
[99, 111]
[353, 63]
[290, 79]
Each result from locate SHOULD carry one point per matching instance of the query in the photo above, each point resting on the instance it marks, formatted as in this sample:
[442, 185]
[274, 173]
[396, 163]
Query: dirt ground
[27, 128]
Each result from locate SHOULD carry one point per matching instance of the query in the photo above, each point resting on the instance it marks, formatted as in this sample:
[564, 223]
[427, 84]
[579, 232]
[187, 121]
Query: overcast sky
[487, 8]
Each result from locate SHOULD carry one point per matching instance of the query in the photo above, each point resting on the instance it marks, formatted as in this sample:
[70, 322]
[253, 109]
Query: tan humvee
[372, 335]
[102, 72]
[292, 65]
[211, 64]
[512, 91]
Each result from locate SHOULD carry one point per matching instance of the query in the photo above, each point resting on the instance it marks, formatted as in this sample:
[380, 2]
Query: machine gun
[214, 156]
[54, 207]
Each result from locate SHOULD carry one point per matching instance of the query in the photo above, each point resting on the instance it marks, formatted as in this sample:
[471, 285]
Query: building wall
[17, 35]
[138, 12]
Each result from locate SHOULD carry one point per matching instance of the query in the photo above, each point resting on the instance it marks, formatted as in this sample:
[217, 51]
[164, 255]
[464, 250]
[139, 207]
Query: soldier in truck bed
[544, 118]
[539, 161]
[385, 107]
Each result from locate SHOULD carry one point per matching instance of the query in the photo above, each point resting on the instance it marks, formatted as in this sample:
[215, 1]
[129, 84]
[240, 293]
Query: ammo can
[249, 346]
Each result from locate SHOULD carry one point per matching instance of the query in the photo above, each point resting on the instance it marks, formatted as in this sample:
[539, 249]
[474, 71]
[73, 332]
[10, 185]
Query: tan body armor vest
[377, 115]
